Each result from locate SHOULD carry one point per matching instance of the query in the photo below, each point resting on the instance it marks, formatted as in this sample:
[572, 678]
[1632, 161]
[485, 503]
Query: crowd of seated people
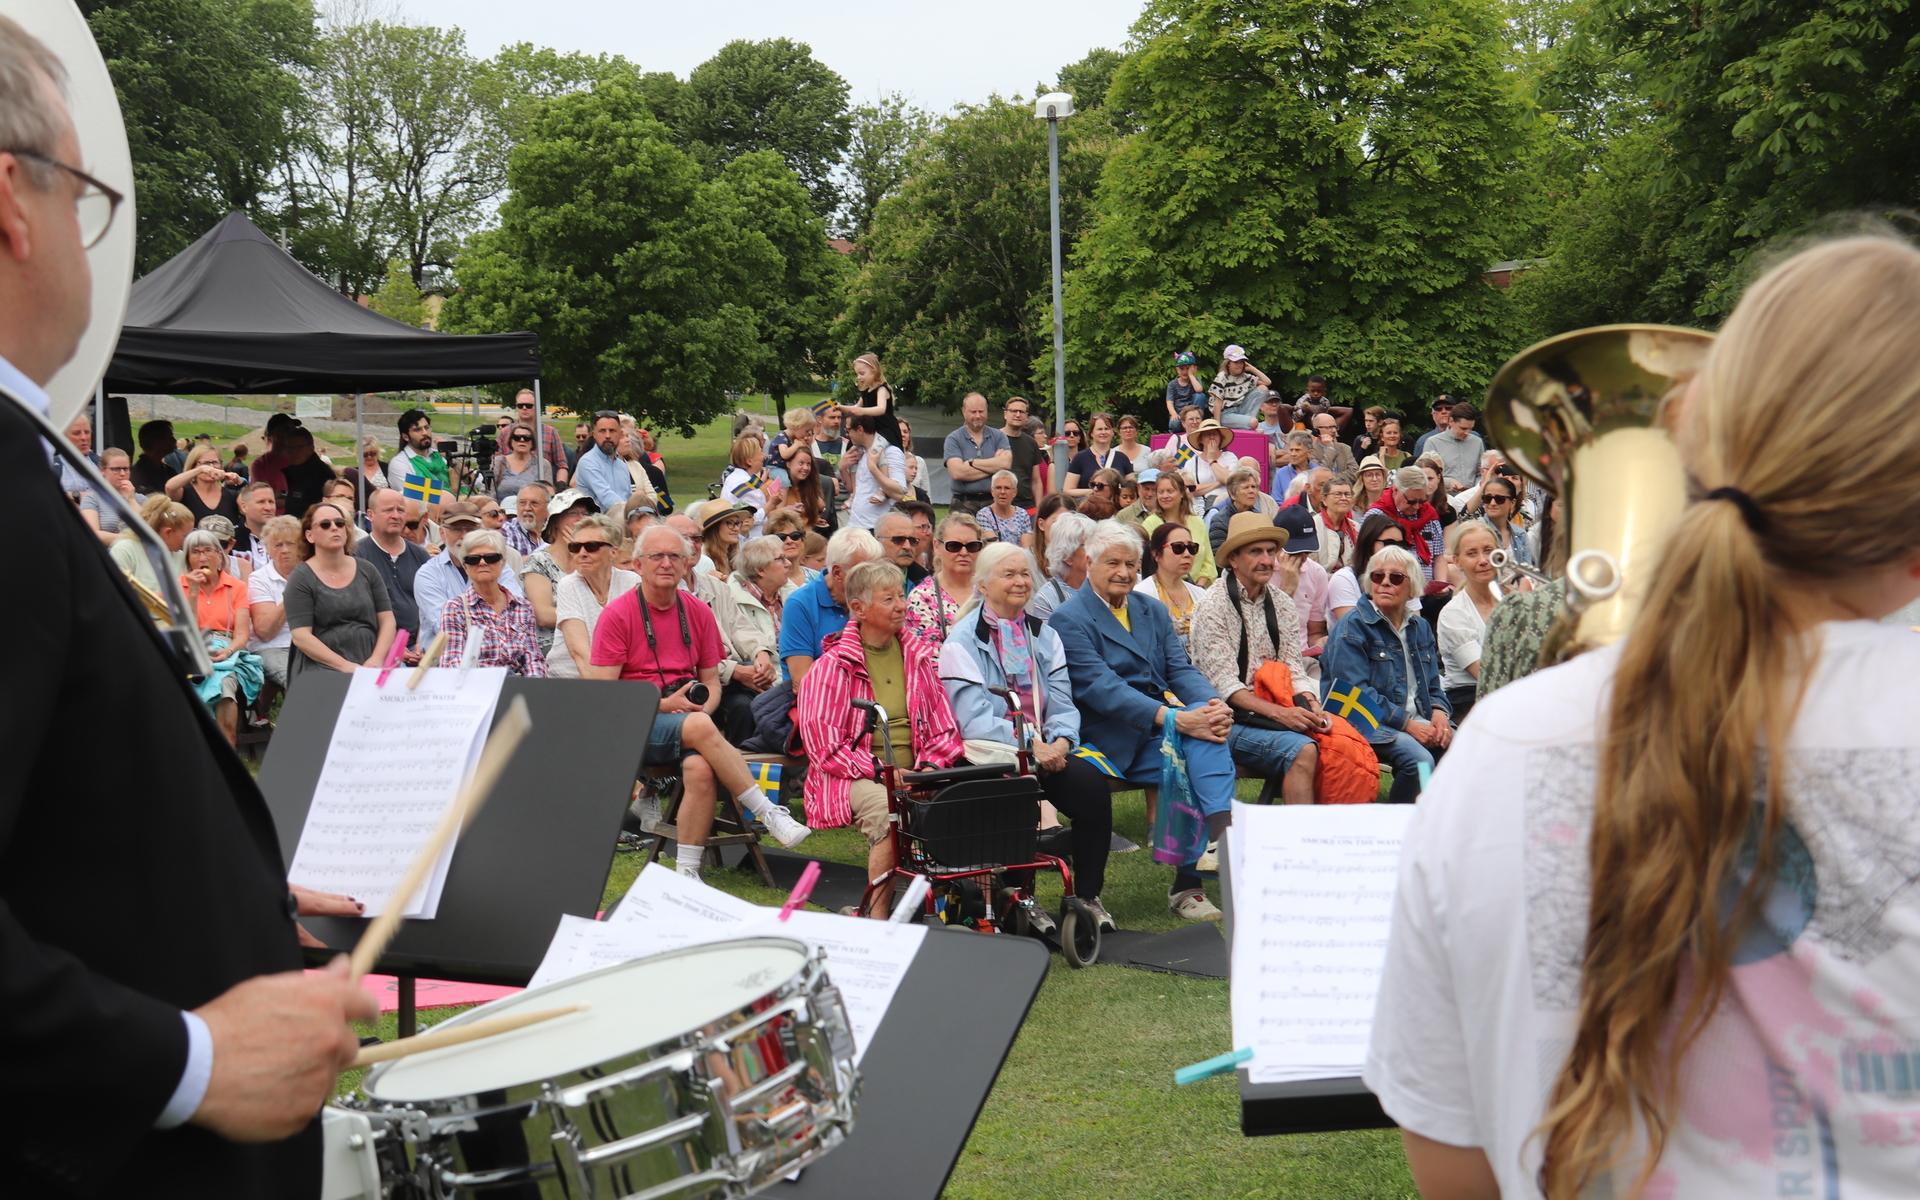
[1228, 591]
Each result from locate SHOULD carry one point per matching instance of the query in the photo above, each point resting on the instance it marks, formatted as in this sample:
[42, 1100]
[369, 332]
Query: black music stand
[1305, 1106]
[932, 1063]
[540, 847]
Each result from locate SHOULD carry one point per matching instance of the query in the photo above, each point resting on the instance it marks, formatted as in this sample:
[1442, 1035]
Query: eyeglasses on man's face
[93, 208]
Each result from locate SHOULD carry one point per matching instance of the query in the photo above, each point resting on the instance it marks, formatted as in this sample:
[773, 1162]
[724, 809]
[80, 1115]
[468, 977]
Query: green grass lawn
[1085, 1105]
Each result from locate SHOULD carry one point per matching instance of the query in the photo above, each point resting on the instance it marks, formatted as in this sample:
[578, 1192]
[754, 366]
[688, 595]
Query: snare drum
[698, 1074]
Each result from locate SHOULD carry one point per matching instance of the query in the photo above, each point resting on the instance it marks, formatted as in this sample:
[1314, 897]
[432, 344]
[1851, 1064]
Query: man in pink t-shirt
[659, 634]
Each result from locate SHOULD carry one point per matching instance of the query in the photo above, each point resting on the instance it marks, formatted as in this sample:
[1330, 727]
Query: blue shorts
[663, 740]
[1268, 751]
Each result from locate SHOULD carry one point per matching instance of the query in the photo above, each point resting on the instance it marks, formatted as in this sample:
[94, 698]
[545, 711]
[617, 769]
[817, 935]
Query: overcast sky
[937, 54]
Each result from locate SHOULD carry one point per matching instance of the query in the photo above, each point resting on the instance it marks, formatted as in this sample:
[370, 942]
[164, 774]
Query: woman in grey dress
[339, 615]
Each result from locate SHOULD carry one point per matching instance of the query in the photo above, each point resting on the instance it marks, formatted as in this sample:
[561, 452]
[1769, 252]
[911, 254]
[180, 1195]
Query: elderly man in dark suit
[157, 1033]
[1129, 670]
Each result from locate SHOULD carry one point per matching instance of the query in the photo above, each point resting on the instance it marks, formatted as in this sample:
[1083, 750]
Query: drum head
[635, 1005]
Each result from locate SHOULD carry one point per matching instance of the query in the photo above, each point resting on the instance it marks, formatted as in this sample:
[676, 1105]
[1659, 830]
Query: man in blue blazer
[1128, 668]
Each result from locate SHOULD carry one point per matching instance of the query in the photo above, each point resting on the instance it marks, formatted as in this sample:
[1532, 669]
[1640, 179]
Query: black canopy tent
[234, 313]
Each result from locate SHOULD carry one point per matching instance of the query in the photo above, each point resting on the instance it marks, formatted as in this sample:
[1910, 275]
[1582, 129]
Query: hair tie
[1750, 512]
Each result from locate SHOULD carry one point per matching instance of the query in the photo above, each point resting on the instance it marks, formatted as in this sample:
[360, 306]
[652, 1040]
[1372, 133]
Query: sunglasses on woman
[1390, 578]
[968, 547]
[524, 439]
[1497, 498]
[1183, 547]
[475, 560]
[794, 535]
[1073, 433]
[330, 523]
[585, 547]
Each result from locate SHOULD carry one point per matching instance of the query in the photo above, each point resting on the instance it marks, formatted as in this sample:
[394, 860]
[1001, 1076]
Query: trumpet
[1585, 415]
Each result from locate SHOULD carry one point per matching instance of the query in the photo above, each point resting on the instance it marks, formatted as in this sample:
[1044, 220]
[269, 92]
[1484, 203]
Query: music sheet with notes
[664, 911]
[1312, 903]
[397, 759]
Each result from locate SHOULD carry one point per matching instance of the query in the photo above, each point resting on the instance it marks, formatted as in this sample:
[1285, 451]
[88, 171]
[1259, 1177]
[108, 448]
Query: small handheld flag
[1101, 762]
[1347, 704]
[767, 776]
[1183, 455]
[750, 483]
[419, 487]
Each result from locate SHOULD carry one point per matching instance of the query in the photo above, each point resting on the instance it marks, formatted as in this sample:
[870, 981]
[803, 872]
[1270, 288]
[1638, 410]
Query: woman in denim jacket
[1381, 670]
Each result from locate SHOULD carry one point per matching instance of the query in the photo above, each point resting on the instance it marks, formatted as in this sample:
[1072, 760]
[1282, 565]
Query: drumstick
[427, 659]
[472, 1031]
[501, 744]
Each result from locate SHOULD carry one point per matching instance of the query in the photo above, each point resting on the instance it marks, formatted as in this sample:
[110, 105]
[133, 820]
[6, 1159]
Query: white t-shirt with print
[1806, 1081]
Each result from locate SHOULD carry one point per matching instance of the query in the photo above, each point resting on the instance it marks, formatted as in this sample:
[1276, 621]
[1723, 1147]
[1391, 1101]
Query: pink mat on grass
[432, 993]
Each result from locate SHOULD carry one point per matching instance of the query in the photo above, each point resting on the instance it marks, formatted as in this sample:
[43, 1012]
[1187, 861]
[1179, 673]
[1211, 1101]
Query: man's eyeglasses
[903, 540]
[586, 547]
[476, 560]
[1390, 578]
[413, 524]
[660, 556]
[964, 547]
[528, 407]
[93, 208]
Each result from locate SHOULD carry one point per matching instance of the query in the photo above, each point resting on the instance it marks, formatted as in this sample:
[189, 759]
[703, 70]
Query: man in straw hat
[1245, 621]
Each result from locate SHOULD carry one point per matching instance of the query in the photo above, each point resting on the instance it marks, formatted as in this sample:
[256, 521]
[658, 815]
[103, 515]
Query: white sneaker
[1210, 861]
[1193, 905]
[785, 830]
[690, 870]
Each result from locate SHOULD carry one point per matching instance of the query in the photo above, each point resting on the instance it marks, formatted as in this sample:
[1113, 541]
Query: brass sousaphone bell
[1584, 415]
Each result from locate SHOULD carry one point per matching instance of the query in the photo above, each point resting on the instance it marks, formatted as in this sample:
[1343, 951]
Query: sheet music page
[866, 960]
[663, 910]
[397, 759]
[1312, 903]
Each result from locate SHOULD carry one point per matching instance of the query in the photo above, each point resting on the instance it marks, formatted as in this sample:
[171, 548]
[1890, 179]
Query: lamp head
[1053, 106]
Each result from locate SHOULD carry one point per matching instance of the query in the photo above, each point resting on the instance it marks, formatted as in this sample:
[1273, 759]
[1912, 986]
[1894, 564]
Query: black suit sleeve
[104, 1055]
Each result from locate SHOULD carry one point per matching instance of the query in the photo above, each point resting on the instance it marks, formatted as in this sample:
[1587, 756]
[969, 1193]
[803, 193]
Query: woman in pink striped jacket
[871, 660]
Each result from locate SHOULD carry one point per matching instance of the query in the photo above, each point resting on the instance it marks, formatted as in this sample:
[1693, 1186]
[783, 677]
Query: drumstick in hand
[501, 744]
[472, 1031]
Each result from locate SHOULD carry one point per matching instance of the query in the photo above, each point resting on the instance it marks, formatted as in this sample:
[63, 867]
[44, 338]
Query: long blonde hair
[1709, 676]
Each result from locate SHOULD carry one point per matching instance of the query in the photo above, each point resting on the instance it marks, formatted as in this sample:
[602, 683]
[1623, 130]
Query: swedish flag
[419, 487]
[749, 484]
[767, 776]
[820, 409]
[1100, 761]
[1183, 455]
[1348, 703]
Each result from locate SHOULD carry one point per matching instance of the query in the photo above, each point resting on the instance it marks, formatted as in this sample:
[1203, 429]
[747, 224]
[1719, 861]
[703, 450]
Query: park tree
[769, 95]
[1762, 120]
[638, 273]
[209, 91]
[953, 292]
[1090, 81]
[797, 298]
[398, 298]
[882, 136]
[1320, 183]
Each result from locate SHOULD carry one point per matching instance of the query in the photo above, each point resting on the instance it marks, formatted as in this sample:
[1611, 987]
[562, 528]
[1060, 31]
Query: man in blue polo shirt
[818, 610]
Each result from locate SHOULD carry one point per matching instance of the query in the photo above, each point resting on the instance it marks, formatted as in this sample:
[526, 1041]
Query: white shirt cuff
[193, 1081]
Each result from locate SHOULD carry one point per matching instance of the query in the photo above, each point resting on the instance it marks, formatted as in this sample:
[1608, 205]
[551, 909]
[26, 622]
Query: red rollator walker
[972, 833]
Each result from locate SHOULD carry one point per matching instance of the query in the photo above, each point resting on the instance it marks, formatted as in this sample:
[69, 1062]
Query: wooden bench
[731, 827]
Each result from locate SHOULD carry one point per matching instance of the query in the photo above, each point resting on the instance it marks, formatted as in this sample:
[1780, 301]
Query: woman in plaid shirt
[485, 610]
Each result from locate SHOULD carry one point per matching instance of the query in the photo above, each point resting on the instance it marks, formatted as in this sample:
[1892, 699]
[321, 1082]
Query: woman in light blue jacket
[994, 646]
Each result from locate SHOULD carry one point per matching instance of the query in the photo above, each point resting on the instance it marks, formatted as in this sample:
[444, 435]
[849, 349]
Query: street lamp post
[1051, 108]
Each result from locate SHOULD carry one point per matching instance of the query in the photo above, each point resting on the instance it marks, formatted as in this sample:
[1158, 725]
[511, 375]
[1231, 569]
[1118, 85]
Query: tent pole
[540, 438]
[359, 439]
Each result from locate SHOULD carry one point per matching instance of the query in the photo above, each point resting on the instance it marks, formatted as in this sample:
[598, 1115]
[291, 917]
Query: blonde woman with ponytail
[1656, 932]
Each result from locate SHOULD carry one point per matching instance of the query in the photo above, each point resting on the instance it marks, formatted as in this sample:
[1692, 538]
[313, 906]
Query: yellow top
[888, 670]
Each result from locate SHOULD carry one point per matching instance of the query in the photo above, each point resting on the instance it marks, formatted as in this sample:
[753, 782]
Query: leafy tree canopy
[770, 95]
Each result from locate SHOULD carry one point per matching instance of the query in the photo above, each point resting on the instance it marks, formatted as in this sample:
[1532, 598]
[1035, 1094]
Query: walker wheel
[1079, 933]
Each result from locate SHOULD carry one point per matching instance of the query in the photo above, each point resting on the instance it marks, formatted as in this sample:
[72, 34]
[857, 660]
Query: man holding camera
[660, 634]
